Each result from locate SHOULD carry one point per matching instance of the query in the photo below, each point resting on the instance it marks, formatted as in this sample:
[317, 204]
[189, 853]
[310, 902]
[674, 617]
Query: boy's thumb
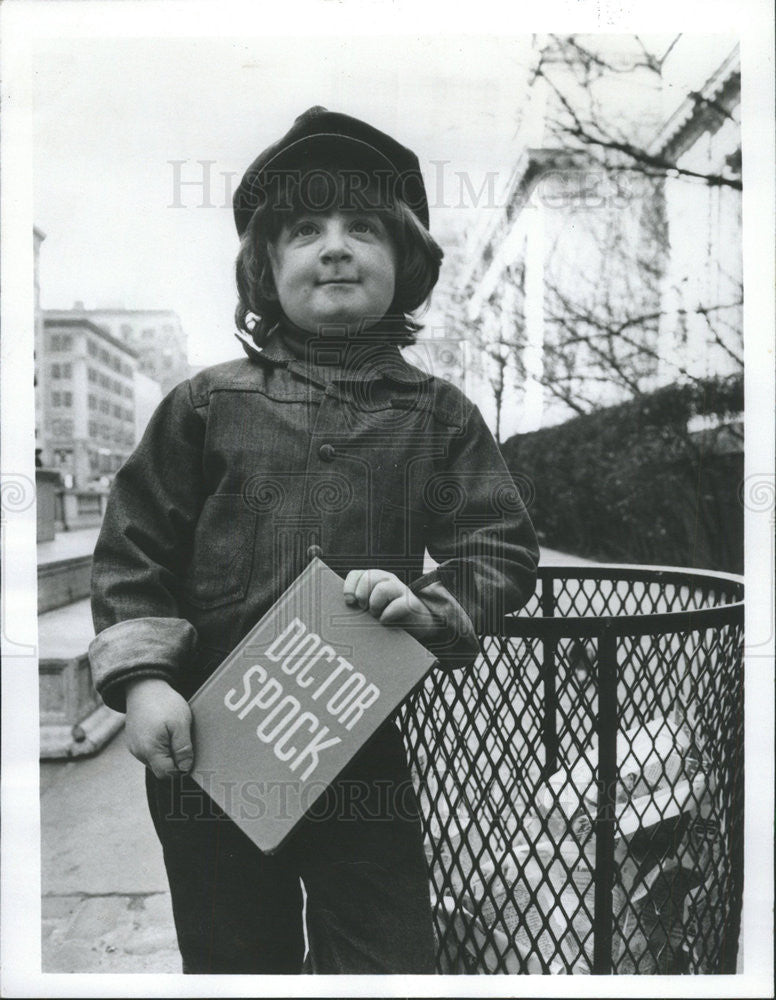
[181, 745]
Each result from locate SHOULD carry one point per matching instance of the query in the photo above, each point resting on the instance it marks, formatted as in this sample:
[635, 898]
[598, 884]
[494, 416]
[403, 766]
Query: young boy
[325, 441]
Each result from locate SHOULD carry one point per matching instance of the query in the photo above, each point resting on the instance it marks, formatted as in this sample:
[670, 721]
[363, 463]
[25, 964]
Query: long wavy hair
[418, 255]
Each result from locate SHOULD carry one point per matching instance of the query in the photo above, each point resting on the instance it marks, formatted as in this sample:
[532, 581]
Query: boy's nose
[334, 245]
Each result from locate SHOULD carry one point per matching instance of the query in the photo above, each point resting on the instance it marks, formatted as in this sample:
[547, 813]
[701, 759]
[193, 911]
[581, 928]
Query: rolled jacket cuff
[138, 648]
[457, 645]
[447, 576]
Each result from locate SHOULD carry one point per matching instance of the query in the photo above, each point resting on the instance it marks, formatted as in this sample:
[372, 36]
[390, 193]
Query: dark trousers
[360, 857]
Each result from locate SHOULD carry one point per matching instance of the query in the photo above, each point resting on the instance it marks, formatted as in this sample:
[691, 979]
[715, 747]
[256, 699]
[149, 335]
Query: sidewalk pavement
[550, 557]
[106, 906]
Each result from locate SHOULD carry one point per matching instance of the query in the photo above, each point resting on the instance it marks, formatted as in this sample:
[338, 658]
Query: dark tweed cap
[321, 137]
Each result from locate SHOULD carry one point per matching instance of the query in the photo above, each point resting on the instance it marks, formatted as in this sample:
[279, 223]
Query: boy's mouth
[339, 281]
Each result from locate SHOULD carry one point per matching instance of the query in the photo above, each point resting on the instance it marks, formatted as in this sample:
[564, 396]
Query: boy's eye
[305, 229]
[361, 226]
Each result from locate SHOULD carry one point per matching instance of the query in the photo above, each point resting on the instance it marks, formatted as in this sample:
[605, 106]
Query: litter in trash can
[651, 788]
[539, 900]
[472, 947]
[651, 929]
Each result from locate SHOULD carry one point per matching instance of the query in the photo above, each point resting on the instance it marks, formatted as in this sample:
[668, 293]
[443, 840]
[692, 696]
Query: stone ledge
[73, 720]
[81, 739]
[63, 582]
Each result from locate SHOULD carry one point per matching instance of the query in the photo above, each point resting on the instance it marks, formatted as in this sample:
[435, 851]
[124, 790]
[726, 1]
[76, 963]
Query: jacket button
[326, 451]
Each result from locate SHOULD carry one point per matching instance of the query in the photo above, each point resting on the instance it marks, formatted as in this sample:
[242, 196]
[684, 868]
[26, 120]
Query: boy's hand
[158, 727]
[390, 601]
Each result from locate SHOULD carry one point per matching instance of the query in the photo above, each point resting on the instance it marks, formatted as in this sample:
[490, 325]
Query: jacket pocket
[222, 557]
[399, 532]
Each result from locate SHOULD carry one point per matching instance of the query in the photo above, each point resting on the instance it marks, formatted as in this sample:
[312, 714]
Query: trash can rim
[635, 571]
[731, 612]
[591, 627]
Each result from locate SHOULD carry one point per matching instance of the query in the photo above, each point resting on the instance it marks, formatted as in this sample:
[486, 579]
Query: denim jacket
[250, 463]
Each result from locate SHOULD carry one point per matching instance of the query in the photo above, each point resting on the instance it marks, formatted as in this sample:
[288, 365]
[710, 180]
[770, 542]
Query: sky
[112, 117]
[127, 129]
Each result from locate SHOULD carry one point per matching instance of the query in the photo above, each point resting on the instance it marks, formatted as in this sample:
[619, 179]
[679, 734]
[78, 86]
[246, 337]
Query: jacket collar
[385, 362]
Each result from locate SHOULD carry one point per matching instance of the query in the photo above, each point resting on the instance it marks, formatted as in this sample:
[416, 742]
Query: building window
[92, 428]
[91, 347]
[67, 399]
[92, 375]
[67, 370]
[56, 398]
[55, 371]
[62, 428]
[92, 401]
[60, 341]
[104, 406]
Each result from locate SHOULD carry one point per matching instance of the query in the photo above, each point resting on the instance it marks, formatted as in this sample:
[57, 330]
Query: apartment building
[86, 398]
[155, 335]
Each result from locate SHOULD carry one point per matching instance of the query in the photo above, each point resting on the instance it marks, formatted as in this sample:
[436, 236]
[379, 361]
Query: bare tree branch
[594, 131]
[613, 326]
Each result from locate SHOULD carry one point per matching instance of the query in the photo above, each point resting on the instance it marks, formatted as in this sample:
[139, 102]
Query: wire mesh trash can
[581, 787]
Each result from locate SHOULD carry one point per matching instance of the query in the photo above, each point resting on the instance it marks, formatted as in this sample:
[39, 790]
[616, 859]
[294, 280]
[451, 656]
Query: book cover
[295, 701]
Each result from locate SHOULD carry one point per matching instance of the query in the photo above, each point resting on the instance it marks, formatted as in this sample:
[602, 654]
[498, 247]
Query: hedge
[630, 484]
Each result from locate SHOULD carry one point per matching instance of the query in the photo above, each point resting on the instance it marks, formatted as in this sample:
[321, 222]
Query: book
[295, 701]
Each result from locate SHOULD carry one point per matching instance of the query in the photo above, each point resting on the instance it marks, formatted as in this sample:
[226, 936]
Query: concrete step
[68, 545]
[65, 568]
[74, 722]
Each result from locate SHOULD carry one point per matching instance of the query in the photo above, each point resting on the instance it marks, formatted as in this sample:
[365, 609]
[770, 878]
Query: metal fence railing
[581, 787]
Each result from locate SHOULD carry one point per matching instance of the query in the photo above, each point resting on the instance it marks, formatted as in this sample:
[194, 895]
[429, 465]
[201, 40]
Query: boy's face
[337, 268]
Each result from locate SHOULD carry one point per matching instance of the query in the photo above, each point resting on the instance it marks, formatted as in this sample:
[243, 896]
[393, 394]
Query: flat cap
[319, 136]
